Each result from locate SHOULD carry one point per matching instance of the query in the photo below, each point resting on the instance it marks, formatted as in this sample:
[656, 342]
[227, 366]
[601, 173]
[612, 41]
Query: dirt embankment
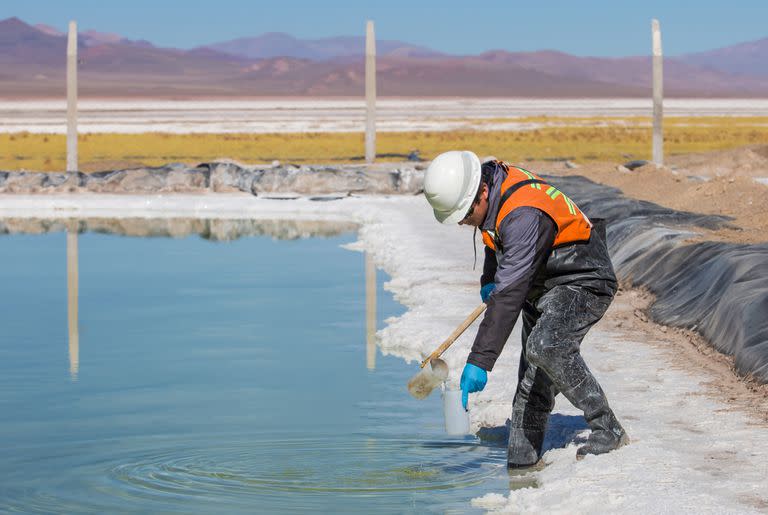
[719, 183]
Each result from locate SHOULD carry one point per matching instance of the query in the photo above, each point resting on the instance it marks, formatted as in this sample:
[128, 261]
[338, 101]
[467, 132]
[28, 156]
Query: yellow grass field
[578, 139]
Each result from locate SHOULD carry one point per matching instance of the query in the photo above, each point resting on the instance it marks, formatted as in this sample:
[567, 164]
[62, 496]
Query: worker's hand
[486, 290]
[473, 379]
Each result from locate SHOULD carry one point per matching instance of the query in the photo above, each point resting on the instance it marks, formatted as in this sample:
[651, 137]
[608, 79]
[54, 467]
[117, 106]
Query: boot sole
[624, 440]
[522, 469]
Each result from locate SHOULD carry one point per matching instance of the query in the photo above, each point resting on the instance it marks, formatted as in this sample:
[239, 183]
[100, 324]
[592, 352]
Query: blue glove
[473, 379]
[486, 290]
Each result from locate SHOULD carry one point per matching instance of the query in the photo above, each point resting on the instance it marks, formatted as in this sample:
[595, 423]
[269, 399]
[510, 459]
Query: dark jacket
[527, 266]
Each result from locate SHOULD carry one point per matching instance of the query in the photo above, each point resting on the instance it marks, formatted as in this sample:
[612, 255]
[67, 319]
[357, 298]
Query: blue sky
[599, 28]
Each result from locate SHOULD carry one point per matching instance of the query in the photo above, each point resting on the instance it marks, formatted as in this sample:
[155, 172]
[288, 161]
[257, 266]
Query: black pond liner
[718, 289]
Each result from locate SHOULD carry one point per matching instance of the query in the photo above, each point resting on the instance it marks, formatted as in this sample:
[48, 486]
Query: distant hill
[20, 42]
[278, 44]
[681, 76]
[92, 37]
[749, 59]
[32, 64]
[46, 29]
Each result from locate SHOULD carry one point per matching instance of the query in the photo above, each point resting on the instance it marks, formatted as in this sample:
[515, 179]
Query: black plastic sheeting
[718, 289]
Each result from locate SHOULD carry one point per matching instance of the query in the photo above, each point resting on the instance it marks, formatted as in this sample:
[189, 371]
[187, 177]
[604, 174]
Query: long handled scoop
[422, 384]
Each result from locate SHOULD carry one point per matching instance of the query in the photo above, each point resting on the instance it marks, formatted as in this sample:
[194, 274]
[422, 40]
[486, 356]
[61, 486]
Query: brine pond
[203, 366]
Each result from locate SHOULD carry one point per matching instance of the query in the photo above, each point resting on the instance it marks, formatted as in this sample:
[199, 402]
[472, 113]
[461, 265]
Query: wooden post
[370, 94]
[370, 312]
[72, 98]
[658, 95]
[72, 258]
[72, 302]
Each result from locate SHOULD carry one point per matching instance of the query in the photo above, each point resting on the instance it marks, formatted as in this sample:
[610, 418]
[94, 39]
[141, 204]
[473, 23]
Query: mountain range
[32, 65]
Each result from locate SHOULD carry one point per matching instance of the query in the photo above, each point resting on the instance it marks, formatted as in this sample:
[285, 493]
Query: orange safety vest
[523, 188]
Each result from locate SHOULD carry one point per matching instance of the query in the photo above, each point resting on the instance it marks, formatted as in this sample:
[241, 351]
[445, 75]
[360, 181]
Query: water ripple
[277, 473]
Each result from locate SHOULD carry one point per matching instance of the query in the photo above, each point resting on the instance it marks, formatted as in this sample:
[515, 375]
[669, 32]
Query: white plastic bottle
[456, 417]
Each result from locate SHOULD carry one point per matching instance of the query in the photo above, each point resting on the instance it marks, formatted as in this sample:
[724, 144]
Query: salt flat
[340, 115]
[690, 452]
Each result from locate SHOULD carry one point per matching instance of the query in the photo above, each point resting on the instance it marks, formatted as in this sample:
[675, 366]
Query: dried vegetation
[578, 139]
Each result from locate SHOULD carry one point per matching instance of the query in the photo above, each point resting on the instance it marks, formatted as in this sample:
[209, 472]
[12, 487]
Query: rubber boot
[607, 435]
[526, 437]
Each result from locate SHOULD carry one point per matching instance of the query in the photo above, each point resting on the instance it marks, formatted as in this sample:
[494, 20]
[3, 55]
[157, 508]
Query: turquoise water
[213, 377]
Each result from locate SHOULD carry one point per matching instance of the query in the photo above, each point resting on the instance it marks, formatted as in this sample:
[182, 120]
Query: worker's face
[478, 211]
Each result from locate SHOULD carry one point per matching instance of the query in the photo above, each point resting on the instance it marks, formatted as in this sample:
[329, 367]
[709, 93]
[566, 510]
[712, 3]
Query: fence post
[72, 98]
[370, 93]
[72, 268]
[658, 95]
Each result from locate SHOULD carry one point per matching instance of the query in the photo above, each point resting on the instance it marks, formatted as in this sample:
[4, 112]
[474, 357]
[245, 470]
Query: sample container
[456, 417]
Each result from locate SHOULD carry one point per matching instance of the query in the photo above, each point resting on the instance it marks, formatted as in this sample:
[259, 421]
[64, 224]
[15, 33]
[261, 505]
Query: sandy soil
[719, 183]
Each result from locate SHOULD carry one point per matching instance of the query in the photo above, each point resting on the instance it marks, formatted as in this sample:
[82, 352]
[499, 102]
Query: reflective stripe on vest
[523, 188]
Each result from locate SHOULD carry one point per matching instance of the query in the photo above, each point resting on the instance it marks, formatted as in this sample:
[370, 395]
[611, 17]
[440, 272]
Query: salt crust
[689, 453]
[338, 115]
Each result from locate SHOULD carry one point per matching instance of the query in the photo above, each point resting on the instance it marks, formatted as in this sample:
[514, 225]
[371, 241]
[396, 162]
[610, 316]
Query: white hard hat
[451, 183]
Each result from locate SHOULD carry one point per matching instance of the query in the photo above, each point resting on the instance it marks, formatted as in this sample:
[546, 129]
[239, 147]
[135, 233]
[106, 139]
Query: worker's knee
[545, 350]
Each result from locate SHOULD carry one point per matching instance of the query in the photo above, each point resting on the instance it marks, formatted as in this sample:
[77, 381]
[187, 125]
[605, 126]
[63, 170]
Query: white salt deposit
[689, 453]
[339, 115]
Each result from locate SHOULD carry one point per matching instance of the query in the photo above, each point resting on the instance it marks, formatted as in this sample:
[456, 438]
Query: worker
[543, 257]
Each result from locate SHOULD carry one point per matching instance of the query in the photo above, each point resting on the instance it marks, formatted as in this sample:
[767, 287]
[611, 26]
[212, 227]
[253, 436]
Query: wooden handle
[452, 338]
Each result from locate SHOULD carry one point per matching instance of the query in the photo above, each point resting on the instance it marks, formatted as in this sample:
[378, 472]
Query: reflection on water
[216, 230]
[210, 229]
[370, 312]
[72, 318]
[216, 379]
